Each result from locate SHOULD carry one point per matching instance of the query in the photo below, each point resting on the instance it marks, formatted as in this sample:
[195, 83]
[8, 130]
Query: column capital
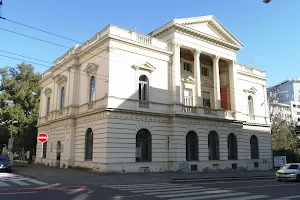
[175, 45]
[216, 58]
[196, 52]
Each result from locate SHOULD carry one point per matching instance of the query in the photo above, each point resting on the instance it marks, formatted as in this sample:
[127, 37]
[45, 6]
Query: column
[217, 94]
[232, 79]
[176, 74]
[197, 73]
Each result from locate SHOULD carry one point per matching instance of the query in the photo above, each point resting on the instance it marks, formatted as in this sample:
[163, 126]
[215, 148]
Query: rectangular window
[205, 71]
[188, 97]
[187, 67]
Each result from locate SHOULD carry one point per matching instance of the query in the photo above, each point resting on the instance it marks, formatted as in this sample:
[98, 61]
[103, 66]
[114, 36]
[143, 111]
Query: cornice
[252, 75]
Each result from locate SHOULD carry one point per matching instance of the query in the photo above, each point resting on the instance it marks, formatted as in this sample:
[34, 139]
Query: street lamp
[266, 1]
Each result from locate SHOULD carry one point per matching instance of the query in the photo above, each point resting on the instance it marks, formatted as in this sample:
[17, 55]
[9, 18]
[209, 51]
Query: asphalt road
[14, 187]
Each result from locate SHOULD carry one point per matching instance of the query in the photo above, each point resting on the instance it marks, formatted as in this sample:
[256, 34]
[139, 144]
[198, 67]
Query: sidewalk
[73, 176]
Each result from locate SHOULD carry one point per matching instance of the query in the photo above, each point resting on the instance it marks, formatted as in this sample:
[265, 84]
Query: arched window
[143, 146]
[254, 147]
[48, 105]
[62, 98]
[232, 147]
[44, 149]
[191, 146]
[88, 144]
[92, 89]
[143, 88]
[250, 107]
[213, 145]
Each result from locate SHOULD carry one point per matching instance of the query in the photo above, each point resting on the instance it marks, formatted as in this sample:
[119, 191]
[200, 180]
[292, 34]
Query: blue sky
[269, 32]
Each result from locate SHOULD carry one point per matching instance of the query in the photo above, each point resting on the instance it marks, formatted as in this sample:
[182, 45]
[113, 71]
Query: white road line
[259, 186]
[248, 197]
[36, 181]
[18, 182]
[213, 196]
[2, 184]
[144, 184]
[174, 192]
[17, 193]
[150, 188]
[287, 198]
[82, 196]
[168, 189]
[192, 193]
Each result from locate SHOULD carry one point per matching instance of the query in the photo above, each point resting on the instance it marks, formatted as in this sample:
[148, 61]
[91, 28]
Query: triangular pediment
[61, 79]
[211, 26]
[189, 79]
[145, 66]
[252, 90]
[91, 69]
[47, 91]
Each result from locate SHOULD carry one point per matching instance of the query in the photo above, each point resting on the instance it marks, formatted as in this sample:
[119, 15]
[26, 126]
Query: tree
[20, 86]
[282, 134]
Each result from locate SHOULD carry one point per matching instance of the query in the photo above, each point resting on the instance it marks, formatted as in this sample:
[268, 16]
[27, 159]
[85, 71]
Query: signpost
[42, 138]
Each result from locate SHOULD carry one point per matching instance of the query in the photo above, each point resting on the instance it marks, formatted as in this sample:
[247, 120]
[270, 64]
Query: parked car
[5, 164]
[290, 171]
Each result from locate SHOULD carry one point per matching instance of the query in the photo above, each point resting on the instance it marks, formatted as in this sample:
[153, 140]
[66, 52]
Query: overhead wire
[69, 48]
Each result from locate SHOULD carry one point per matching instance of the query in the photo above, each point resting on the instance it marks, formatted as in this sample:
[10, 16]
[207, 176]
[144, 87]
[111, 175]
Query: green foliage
[282, 135]
[20, 85]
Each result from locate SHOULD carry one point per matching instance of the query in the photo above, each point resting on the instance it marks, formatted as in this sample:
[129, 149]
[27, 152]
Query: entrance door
[224, 101]
[58, 153]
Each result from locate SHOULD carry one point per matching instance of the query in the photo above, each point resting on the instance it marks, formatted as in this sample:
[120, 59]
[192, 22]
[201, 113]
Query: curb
[183, 180]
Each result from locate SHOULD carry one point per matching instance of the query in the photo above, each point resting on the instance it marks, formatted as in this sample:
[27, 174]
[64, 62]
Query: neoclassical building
[175, 99]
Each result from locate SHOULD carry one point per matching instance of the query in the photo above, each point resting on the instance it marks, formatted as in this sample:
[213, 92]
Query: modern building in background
[286, 95]
[175, 99]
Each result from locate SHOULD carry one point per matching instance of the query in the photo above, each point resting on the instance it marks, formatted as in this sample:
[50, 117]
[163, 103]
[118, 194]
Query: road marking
[36, 181]
[212, 196]
[19, 182]
[176, 192]
[233, 182]
[2, 184]
[248, 198]
[193, 193]
[144, 184]
[258, 186]
[287, 198]
[151, 188]
[17, 193]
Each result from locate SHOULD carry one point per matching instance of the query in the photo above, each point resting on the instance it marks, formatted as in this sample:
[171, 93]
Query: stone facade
[175, 99]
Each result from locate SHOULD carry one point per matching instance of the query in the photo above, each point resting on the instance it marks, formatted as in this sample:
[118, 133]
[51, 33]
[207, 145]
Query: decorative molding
[197, 52]
[47, 91]
[110, 48]
[91, 69]
[252, 90]
[190, 79]
[216, 58]
[61, 79]
[145, 66]
[175, 45]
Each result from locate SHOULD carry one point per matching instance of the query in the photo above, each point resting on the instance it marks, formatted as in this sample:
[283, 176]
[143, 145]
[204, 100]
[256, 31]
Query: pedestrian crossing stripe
[11, 179]
[186, 192]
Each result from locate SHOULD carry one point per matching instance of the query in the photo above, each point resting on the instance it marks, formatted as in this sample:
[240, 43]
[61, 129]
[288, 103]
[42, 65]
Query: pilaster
[217, 94]
[176, 74]
[197, 71]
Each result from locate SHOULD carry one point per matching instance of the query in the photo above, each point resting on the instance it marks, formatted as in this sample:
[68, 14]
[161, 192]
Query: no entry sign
[42, 137]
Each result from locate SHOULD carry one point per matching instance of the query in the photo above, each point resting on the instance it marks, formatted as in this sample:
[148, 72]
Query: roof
[189, 24]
